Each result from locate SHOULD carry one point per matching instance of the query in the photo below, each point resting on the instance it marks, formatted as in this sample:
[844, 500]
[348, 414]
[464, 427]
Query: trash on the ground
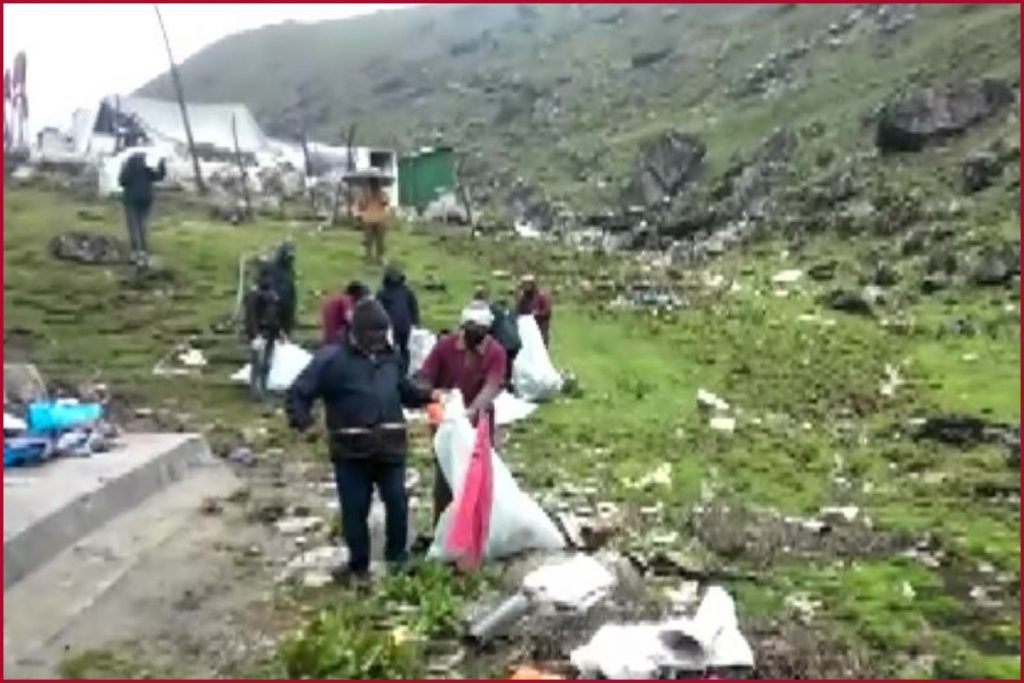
[684, 597]
[517, 523]
[577, 583]
[192, 358]
[709, 640]
[287, 362]
[803, 605]
[509, 409]
[533, 375]
[496, 622]
[528, 673]
[723, 423]
[787, 277]
[891, 383]
[313, 567]
[181, 360]
[243, 455]
[13, 424]
[294, 526]
[659, 476]
[25, 450]
[709, 401]
[907, 590]
[50, 416]
[838, 514]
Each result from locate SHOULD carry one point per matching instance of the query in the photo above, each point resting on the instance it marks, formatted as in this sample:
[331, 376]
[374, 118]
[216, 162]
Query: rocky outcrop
[931, 114]
[665, 165]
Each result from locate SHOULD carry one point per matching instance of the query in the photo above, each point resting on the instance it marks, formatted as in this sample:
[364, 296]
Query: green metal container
[424, 176]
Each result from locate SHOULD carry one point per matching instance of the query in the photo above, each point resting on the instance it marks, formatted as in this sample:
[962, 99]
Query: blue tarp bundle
[49, 423]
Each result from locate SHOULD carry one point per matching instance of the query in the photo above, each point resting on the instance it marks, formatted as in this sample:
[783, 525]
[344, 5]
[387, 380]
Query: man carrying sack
[472, 361]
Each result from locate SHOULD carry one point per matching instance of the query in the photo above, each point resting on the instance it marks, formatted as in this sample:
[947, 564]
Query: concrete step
[58, 597]
[50, 506]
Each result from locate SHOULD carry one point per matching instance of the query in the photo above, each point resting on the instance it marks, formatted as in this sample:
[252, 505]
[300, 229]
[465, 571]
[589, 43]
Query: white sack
[517, 522]
[509, 409]
[421, 341]
[285, 365]
[13, 423]
[533, 375]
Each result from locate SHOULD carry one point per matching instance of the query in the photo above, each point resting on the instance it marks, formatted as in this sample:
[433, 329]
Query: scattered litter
[723, 423]
[659, 476]
[182, 360]
[891, 383]
[684, 597]
[711, 639]
[908, 591]
[803, 604]
[709, 401]
[294, 526]
[509, 409]
[576, 583]
[497, 621]
[287, 362]
[839, 514]
[528, 673]
[787, 277]
[313, 567]
[243, 456]
[14, 424]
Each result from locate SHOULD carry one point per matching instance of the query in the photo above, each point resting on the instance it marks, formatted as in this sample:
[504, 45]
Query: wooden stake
[180, 92]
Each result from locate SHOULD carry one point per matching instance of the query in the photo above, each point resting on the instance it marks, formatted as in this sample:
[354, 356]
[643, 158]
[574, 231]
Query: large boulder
[907, 125]
[665, 165]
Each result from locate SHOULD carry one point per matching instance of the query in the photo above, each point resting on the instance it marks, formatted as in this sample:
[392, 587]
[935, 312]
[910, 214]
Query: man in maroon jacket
[473, 362]
[336, 312]
[536, 302]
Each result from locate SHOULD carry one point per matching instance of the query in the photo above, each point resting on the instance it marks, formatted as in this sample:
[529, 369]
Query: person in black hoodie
[402, 308]
[283, 274]
[262, 329]
[136, 180]
[364, 390]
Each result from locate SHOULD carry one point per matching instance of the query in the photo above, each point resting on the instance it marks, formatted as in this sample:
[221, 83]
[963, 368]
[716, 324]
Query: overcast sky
[79, 53]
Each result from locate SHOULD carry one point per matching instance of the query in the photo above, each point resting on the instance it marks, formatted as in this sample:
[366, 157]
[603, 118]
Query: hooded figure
[400, 303]
[364, 390]
[262, 329]
[136, 180]
[283, 274]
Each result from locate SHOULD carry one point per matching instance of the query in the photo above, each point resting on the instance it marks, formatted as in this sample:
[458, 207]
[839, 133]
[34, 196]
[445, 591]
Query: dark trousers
[259, 366]
[403, 352]
[508, 368]
[356, 479]
[137, 218]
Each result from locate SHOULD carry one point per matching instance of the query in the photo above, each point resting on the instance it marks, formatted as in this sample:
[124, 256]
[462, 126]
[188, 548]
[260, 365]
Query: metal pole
[179, 91]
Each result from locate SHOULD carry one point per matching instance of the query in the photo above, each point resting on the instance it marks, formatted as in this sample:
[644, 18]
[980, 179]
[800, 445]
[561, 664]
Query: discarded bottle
[495, 623]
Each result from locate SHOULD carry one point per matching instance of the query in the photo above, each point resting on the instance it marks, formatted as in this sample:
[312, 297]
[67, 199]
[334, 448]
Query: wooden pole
[241, 167]
[180, 92]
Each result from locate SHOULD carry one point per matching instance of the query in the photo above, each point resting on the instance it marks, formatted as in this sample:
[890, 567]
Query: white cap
[477, 313]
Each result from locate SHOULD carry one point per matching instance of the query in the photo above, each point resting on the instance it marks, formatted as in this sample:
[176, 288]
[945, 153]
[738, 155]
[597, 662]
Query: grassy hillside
[560, 95]
[922, 583]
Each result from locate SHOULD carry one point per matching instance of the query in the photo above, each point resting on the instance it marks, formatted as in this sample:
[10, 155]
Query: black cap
[369, 316]
[357, 289]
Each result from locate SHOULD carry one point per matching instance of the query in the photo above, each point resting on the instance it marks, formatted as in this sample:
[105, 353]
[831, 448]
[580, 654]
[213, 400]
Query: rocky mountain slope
[565, 105]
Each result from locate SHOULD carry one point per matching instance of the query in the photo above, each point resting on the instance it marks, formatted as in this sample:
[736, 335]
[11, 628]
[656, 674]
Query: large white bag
[288, 361]
[517, 522]
[533, 375]
[421, 341]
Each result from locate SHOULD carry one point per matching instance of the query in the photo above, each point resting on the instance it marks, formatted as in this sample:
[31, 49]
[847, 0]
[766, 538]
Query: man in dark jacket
[136, 180]
[364, 389]
[262, 329]
[400, 303]
[504, 329]
[283, 270]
